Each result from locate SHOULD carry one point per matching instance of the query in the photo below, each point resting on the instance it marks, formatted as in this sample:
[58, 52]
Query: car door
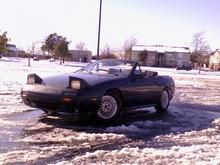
[142, 90]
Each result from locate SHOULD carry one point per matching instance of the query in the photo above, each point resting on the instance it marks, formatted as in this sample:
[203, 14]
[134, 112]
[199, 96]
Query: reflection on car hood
[91, 79]
[57, 80]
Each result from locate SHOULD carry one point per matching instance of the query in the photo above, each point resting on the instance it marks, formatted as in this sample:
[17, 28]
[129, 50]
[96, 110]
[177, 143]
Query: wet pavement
[146, 123]
[12, 129]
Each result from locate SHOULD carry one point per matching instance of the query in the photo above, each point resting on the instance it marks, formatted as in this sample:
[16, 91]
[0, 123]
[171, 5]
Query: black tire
[164, 102]
[109, 109]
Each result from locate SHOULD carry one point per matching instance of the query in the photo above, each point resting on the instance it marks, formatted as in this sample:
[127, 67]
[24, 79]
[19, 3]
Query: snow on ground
[188, 134]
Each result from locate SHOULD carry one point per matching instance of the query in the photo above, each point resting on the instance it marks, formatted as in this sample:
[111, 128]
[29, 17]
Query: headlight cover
[31, 80]
[78, 84]
[75, 84]
[34, 79]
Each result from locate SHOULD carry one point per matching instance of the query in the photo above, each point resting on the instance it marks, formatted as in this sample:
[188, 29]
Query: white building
[12, 48]
[214, 61]
[162, 56]
[80, 55]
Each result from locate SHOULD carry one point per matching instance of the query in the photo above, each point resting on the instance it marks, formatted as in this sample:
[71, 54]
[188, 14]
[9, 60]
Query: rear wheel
[164, 102]
[109, 108]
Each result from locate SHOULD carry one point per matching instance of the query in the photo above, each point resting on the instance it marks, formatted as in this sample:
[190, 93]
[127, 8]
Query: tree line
[58, 47]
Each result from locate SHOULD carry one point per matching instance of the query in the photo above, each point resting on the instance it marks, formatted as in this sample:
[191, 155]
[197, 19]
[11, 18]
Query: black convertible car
[103, 88]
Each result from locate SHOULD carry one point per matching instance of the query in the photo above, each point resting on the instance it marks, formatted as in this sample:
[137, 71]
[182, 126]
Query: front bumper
[58, 101]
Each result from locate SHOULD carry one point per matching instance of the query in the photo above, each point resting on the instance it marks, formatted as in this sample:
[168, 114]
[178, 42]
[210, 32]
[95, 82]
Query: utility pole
[99, 28]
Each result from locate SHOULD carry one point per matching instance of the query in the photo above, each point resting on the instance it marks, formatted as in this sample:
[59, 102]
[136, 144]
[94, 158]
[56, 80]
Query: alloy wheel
[108, 107]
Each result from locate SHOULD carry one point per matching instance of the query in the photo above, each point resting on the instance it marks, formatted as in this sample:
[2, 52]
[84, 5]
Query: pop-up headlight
[75, 84]
[30, 80]
[33, 78]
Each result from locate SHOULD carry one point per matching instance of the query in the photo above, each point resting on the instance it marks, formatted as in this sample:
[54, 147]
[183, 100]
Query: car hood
[92, 79]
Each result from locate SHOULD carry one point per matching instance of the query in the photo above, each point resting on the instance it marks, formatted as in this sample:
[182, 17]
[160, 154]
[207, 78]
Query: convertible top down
[103, 88]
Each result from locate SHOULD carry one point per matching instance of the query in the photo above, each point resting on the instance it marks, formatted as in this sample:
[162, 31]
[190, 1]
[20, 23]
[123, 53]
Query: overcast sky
[165, 22]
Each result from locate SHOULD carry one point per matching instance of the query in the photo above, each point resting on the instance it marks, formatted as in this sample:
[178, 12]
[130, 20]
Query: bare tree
[200, 48]
[80, 46]
[31, 51]
[128, 46]
[107, 49]
[107, 53]
[119, 52]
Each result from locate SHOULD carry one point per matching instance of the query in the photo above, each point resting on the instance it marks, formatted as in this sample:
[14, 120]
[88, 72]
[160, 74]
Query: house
[12, 50]
[80, 55]
[161, 56]
[214, 60]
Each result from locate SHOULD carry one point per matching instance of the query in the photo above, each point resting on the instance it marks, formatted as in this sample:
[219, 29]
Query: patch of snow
[193, 148]
[124, 129]
[188, 134]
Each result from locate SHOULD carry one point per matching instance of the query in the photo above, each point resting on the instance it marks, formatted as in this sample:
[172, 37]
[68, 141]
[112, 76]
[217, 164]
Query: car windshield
[116, 67]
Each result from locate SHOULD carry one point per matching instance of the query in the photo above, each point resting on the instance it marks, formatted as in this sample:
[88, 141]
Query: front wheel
[109, 108]
[164, 102]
